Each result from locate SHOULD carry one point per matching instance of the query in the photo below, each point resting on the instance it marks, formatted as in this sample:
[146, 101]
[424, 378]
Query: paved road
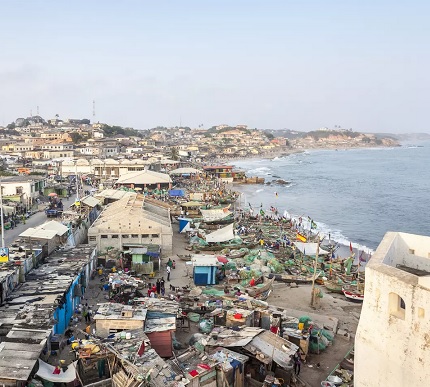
[34, 221]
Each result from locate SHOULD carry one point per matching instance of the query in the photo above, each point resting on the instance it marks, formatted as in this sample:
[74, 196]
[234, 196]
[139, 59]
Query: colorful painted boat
[353, 293]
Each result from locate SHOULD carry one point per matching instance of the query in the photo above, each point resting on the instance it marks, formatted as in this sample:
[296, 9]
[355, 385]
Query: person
[297, 363]
[158, 286]
[252, 282]
[163, 290]
[169, 263]
[168, 273]
[162, 282]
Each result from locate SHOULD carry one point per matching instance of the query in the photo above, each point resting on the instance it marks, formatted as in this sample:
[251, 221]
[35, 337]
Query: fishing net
[327, 334]
[194, 317]
[206, 325]
[265, 270]
[316, 346]
[306, 320]
[275, 266]
[213, 292]
[230, 265]
[248, 274]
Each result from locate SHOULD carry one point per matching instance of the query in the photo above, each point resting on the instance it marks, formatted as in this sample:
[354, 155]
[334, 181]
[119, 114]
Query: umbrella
[222, 259]
[52, 194]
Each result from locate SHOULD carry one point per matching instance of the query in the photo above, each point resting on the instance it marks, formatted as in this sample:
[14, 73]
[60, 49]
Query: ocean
[355, 195]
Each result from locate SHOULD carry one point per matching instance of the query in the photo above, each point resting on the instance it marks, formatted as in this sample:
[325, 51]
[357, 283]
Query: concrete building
[22, 188]
[131, 221]
[145, 179]
[392, 345]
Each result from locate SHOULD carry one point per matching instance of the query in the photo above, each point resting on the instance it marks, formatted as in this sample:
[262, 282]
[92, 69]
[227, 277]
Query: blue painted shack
[204, 269]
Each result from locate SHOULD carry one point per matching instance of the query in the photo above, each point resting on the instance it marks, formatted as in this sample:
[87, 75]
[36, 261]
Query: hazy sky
[270, 64]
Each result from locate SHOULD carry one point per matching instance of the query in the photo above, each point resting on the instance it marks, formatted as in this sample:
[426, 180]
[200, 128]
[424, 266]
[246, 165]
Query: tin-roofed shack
[267, 351]
[112, 318]
[40, 306]
[160, 324]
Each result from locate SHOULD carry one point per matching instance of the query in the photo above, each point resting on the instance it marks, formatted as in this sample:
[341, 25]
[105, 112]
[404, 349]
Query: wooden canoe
[185, 257]
[254, 291]
[334, 286]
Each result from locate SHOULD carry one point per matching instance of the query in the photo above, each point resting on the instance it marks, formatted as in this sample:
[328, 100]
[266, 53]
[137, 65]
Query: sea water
[355, 195]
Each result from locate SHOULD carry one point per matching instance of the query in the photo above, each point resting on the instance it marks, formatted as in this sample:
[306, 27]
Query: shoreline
[344, 248]
[291, 151]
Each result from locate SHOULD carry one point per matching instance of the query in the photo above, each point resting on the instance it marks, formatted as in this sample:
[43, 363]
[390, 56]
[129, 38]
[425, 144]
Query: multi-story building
[392, 345]
[24, 189]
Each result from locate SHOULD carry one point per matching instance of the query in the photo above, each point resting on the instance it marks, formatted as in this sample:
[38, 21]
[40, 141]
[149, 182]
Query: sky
[302, 65]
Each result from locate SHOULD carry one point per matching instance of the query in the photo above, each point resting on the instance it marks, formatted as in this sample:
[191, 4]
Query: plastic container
[301, 326]
[334, 379]
[128, 335]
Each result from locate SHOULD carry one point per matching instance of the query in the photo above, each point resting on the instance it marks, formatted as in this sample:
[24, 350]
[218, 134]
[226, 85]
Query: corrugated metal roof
[90, 201]
[56, 226]
[273, 346]
[204, 260]
[37, 233]
[161, 342]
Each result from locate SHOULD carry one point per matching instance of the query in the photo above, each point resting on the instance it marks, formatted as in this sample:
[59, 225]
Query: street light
[1, 216]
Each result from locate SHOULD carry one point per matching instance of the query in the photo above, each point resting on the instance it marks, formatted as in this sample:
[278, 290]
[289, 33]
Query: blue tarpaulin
[177, 192]
[184, 224]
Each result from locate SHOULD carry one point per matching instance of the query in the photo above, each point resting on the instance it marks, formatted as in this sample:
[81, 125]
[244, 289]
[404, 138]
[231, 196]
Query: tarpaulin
[46, 371]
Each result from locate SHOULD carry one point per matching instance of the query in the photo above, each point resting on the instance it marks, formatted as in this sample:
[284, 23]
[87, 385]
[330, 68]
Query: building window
[154, 235]
[92, 239]
[134, 236]
[397, 306]
[125, 235]
[114, 236]
[145, 235]
[103, 236]
[411, 251]
[18, 190]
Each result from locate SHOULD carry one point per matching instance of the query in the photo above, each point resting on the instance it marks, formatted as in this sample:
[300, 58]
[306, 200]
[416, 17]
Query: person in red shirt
[252, 282]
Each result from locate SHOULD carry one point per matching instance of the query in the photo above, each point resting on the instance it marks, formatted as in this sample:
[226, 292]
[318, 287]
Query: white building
[392, 345]
[132, 221]
[24, 189]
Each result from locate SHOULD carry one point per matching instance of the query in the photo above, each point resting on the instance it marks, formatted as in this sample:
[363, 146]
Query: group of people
[154, 290]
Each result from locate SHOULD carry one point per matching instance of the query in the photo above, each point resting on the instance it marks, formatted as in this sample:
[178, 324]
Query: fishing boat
[290, 278]
[255, 291]
[223, 246]
[238, 253]
[353, 293]
[185, 257]
[334, 286]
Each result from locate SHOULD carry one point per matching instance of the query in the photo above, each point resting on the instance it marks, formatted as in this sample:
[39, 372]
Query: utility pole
[315, 273]
[1, 215]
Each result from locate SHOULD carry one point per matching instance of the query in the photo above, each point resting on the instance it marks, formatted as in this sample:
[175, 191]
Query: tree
[174, 153]
[270, 136]
[76, 137]
[11, 125]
